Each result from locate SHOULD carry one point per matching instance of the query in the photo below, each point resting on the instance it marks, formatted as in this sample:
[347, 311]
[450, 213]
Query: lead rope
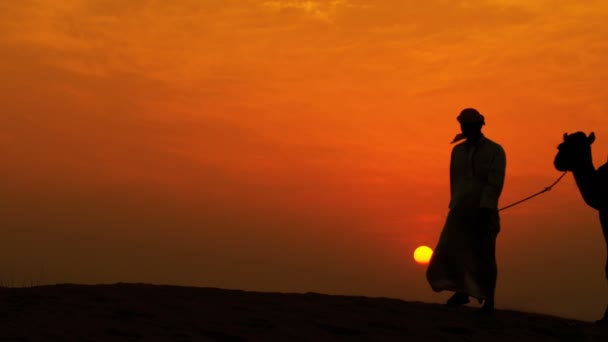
[536, 194]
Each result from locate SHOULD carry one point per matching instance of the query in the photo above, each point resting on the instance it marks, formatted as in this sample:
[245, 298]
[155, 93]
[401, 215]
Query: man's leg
[490, 272]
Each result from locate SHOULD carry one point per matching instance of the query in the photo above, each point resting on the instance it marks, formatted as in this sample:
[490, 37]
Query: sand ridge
[144, 312]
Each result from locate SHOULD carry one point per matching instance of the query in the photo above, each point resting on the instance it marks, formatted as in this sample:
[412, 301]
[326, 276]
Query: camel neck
[584, 175]
[584, 168]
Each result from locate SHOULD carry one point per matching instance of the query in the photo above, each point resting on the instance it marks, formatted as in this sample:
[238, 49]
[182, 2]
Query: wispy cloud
[322, 10]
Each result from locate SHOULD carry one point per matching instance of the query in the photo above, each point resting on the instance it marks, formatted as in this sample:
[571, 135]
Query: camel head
[574, 151]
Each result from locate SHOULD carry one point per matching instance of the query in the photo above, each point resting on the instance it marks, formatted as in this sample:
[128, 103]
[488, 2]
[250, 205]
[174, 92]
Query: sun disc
[422, 254]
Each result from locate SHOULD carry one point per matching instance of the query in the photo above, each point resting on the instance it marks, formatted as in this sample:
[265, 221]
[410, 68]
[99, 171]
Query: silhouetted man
[464, 260]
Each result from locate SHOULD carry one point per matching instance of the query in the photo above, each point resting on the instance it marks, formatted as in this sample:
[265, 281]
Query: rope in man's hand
[536, 194]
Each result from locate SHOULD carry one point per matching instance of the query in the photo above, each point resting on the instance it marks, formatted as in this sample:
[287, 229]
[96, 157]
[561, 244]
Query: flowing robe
[465, 253]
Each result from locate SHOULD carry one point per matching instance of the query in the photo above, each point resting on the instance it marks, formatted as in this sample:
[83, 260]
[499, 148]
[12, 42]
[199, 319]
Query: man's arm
[496, 179]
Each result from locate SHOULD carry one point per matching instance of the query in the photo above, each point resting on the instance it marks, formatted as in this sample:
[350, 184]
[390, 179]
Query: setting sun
[422, 254]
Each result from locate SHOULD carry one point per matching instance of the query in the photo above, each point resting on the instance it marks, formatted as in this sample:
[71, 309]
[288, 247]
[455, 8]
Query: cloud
[321, 10]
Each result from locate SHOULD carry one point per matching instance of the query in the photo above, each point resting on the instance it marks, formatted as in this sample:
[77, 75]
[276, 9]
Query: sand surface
[141, 312]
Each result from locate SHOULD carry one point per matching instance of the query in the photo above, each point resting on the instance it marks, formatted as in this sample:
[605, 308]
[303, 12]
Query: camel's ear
[591, 138]
[565, 136]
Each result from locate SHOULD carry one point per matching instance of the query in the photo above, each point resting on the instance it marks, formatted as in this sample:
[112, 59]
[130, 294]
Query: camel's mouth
[561, 167]
[561, 163]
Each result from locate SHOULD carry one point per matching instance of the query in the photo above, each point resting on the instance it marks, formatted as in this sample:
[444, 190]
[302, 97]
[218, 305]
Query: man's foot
[457, 300]
[487, 309]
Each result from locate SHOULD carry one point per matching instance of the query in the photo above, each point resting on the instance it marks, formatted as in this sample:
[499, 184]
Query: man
[464, 260]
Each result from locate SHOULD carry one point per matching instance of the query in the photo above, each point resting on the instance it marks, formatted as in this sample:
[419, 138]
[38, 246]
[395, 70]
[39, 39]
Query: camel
[575, 155]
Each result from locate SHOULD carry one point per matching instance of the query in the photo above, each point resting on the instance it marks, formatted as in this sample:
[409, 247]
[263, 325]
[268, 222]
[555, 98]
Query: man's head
[471, 122]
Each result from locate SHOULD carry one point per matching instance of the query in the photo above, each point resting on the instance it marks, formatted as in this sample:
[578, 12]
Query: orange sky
[292, 145]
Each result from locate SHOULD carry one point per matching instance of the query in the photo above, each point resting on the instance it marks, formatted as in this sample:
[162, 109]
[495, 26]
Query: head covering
[468, 115]
[458, 137]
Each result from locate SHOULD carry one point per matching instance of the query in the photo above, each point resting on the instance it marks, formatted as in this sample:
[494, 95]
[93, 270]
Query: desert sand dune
[142, 312]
